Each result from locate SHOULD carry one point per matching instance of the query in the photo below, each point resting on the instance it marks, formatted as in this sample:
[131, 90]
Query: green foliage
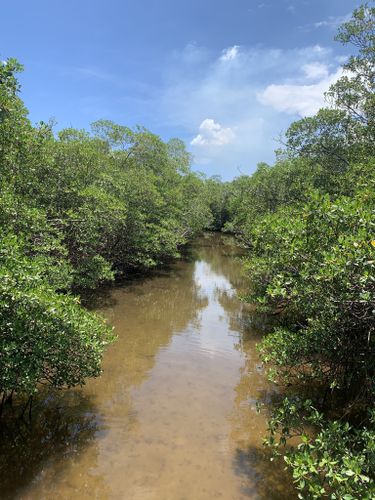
[45, 337]
[216, 196]
[309, 225]
[77, 210]
[251, 198]
[334, 460]
[329, 139]
[321, 274]
[355, 91]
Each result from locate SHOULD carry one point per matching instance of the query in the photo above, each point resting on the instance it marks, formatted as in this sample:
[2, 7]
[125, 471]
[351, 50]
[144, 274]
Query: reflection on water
[173, 416]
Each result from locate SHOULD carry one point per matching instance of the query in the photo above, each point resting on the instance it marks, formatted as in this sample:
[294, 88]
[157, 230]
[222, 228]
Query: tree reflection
[70, 427]
[251, 462]
[55, 433]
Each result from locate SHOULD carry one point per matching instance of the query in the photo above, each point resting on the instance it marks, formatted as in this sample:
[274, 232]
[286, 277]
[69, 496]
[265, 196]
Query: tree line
[79, 209]
[308, 222]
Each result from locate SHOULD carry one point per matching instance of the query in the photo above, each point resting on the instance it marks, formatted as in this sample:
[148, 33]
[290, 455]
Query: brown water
[173, 415]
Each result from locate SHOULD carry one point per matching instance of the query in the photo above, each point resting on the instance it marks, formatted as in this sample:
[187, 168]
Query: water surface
[174, 414]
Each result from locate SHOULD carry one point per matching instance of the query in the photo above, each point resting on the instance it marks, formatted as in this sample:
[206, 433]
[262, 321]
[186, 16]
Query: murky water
[174, 414]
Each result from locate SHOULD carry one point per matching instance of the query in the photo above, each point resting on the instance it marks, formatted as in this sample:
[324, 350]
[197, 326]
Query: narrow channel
[174, 414]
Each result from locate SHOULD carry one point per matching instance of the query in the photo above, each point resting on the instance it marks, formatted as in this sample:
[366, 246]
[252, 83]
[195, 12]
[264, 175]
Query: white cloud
[304, 100]
[318, 49]
[332, 21]
[91, 72]
[315, 70]
[228, 99]
[230, 53]
[341, 59]
[212, 134]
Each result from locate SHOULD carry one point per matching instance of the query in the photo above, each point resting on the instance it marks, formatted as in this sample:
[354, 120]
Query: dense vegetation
[78, 210]
[309, 224]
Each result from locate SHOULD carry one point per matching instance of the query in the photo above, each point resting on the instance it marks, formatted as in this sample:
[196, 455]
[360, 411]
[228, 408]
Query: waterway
[173, 417]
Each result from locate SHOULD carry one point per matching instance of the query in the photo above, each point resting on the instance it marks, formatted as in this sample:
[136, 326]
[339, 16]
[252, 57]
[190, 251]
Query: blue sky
[226, 77]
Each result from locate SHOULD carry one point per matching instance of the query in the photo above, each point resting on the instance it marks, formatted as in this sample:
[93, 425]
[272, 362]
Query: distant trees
[309, 224]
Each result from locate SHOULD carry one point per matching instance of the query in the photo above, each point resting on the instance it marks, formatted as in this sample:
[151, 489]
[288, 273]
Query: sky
[227, 78]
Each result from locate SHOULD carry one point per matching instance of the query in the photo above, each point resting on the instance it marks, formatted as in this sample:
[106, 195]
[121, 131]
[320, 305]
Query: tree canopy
[78, 209]
[309, 225]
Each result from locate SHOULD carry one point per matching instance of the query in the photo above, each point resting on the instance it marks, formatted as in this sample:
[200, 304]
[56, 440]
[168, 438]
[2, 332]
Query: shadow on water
[58, 430]
[261, 478]
[104, 298]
